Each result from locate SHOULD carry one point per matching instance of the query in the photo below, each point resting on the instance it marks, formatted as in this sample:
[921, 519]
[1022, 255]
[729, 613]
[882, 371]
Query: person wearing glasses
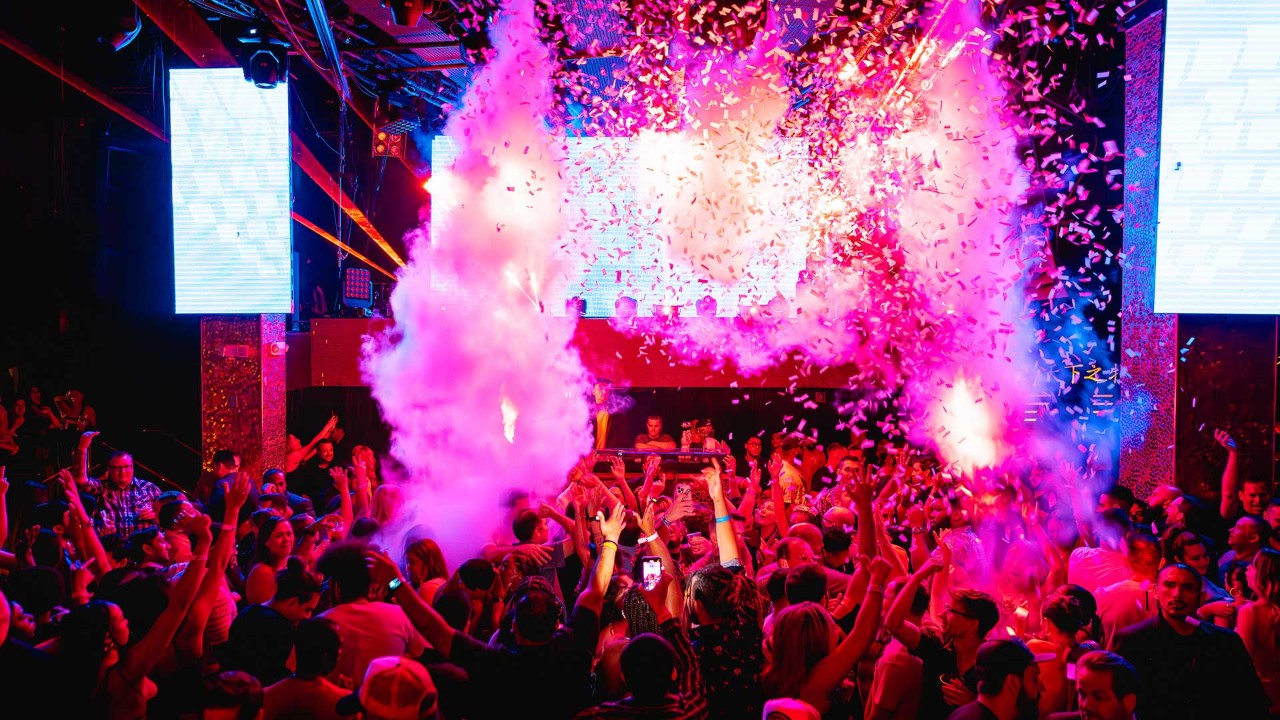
[949, 655]
[125, 502]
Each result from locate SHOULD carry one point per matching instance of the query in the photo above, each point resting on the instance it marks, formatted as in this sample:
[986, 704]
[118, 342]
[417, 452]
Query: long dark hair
[84, 636]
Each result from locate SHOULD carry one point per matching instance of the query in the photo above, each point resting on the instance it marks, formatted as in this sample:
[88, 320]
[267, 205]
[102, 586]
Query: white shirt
[1125, 603]
[371, 630]
[1093, 568]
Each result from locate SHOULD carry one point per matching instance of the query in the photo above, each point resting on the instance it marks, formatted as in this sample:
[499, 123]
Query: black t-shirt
[822, 479]
[553, 678]
[938, 660]
[313, 481]
[1206, 674]
[973, 711]
[259, 642]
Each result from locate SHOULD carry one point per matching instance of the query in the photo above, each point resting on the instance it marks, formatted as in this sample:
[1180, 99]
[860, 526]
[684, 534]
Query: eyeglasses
[120, 467]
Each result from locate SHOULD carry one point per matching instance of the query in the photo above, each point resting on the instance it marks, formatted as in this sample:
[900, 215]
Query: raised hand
[775, 466]
[713, 478]
[652, 464]
[657, 597]
[680, 508]
[202, 527]
[1225, 440]
[545, 510]
[646, 519]
[86, 438]
[700, 546]
[341, 479]
[238, 493]
[81, 577]
[381, 567]
[864, 490]
[879, 570]
[618, 468]
[611, 523]
[915, 517]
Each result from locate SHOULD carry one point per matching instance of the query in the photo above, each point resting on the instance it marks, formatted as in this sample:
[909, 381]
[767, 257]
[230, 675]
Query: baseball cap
[998, 659]
[394, 688]
[789, 709]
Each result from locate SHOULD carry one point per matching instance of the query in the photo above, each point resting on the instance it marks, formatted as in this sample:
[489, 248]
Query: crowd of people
[37, 434]
[782, 579]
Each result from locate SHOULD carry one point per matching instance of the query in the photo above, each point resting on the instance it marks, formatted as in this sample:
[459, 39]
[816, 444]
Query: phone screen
[651, 571]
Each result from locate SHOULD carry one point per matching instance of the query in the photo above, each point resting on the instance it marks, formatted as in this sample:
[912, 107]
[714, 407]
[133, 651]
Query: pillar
[242, 389]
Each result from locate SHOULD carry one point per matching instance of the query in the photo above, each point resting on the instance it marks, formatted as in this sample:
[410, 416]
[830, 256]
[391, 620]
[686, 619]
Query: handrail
[165, 434]
[150, 471]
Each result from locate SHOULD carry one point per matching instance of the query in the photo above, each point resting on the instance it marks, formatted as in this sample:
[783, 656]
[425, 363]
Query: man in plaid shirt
[125, 503]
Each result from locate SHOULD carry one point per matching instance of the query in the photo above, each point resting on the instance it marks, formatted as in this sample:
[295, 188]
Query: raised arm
[833, 668]
[81, 466]
[82, 531]
[140, 659]
[657, 547]
[885, 547]
[864, 490]
[618, 469]
[305, 451]
[919, 551]
[190, 641]
[1230, 502]
[781, 511]
[549, 512]
[611, 524]
[342, 485]
[854, 590]
[726, 535]
[362, 502]
[425, 619]
[896, 621]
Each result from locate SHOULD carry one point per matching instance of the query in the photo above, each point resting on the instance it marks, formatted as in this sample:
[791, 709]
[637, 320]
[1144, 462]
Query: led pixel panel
[612, 245]
[1218, 233]
[231, 165]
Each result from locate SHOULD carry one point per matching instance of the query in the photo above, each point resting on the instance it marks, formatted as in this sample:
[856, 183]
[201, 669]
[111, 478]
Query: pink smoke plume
[483, 398]
[913, 260]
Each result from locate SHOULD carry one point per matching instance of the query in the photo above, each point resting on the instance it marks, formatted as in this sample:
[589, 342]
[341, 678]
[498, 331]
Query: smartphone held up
[650, 571]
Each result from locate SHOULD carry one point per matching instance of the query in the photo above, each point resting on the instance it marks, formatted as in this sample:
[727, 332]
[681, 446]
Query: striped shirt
[689, 701]
[120, 509]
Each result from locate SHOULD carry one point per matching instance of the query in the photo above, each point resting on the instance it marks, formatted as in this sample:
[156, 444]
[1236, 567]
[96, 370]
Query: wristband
[665, 521]
[394, 585]
[918, 531]
[876, 589]
[723, 519]
[650, 538]
[614, 543]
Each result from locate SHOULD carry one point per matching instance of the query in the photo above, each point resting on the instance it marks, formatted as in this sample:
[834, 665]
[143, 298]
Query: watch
[394, 585]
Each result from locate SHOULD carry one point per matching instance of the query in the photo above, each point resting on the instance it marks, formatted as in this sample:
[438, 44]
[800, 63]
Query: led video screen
[231, 166]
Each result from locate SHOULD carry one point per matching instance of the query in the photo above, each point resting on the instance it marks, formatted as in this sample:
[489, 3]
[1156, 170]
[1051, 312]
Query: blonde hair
[1266, 571]
[429, 552]
[802, 635]
[387, 500]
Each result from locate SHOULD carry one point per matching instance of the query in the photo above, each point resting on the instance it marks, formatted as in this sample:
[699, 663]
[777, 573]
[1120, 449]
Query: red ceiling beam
[311, 166]
[180, 21]
[82, 85]
[347, 248]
